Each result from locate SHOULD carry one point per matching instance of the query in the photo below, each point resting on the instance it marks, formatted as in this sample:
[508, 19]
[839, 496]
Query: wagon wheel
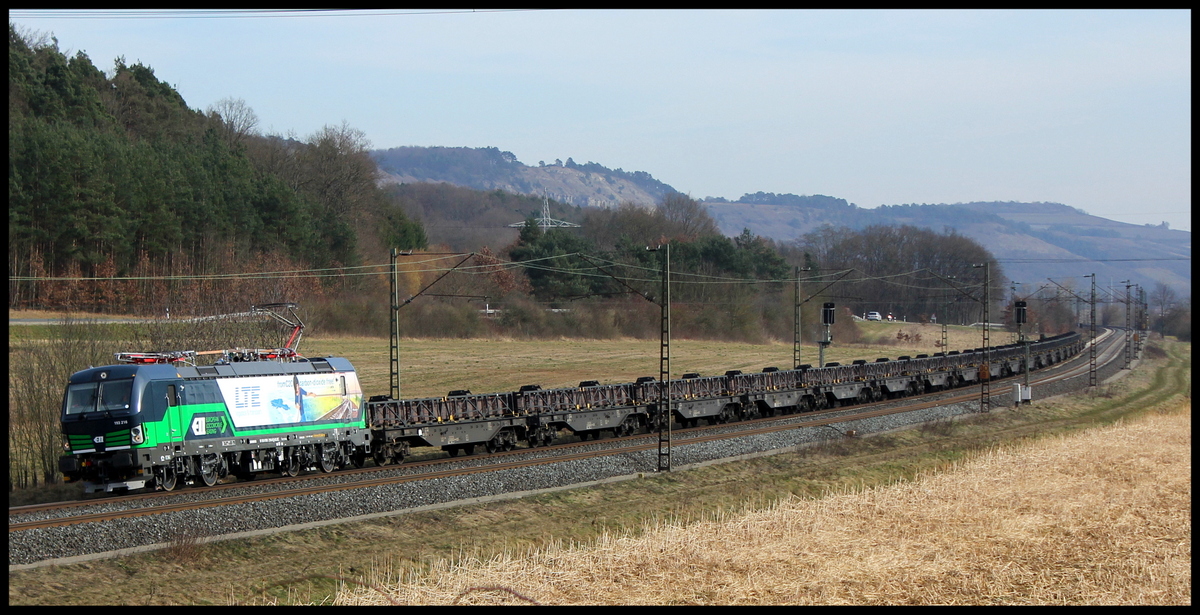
[166, 478]
[329, 457]
[208, 469]
[381, 456]
[543, 437]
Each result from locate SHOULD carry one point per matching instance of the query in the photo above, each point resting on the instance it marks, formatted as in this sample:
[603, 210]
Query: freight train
[157, 420]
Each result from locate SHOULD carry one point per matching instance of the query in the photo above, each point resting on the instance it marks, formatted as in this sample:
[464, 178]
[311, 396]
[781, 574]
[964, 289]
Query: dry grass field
[1099, 517]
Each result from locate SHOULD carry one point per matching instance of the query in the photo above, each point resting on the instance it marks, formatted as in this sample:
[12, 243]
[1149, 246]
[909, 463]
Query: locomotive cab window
[94, 396]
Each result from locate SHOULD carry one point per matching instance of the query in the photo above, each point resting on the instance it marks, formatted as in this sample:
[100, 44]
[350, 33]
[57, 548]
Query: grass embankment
[1099, 517]
[1104, 519]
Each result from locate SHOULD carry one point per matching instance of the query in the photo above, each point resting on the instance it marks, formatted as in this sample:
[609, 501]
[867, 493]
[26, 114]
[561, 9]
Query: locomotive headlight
[136, 435]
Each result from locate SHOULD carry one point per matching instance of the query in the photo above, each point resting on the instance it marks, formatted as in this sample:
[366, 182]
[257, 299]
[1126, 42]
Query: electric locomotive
[150, 421]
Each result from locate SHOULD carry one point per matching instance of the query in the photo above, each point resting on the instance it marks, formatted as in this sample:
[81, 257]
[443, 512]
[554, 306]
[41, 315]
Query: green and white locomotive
[154, 420]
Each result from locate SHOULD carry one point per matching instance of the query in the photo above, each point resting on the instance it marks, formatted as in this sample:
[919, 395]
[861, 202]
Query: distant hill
[1034, 241]
[488, 168]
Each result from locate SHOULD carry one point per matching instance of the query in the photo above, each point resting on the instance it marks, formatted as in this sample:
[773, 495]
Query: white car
[874, 316]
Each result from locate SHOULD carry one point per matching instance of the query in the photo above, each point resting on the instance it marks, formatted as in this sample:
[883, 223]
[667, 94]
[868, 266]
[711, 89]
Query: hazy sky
[1087, 108]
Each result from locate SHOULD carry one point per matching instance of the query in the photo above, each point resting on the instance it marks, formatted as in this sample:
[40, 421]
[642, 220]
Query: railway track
[62, 514]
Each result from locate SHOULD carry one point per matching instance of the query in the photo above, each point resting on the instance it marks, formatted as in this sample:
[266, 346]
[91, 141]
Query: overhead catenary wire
[477, 269]
[236, 13]
[540, 264]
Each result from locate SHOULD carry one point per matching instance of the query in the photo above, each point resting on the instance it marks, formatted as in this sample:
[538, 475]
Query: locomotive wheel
[358, 458]
[166, 478]
[329, 457]
[291, 465]
[208, 469]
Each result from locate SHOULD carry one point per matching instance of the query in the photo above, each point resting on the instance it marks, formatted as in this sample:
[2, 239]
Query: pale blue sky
[1087, 108]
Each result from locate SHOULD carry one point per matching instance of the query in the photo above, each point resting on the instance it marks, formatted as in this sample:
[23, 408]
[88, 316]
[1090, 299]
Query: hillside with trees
[113, 175]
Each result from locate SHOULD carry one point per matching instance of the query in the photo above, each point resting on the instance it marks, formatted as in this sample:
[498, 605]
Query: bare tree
[239, 119]
[1162, 298]
[893, 265]
[338, 169]
[33, 39]
[686, 217]
[606, 227]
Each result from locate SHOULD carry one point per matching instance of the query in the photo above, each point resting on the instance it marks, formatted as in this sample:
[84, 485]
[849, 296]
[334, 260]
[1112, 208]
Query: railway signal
[827, 318]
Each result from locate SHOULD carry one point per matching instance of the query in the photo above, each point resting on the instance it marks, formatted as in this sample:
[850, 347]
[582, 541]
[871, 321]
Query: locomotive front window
[81, 397]
[114, 395]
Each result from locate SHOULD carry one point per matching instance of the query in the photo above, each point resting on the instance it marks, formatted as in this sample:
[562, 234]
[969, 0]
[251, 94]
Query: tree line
[913, 273]
[113, 175]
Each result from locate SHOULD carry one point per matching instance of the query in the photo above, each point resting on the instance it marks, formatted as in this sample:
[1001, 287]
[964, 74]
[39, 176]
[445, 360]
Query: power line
[539, 264]
[1089, 260]
[236, 13]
